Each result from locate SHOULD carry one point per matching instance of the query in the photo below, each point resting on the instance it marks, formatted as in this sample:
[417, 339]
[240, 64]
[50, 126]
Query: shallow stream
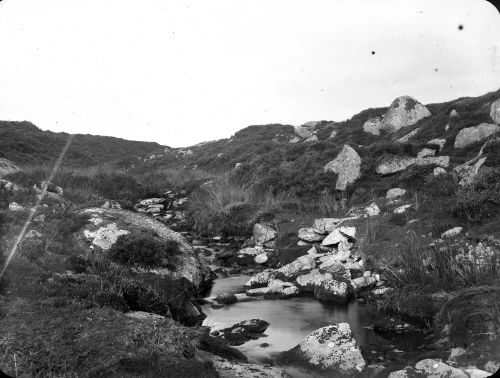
[292, 319]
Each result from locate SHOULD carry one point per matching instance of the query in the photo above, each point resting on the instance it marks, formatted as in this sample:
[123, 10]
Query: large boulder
[347, 165]
[331, 349]
[312, 280]
[372, 126]
[404, 111]
[302, 265]
[105, 226]
[7, 167]
[470, 135]
[394, 193]
[495, 111]
[243, 331]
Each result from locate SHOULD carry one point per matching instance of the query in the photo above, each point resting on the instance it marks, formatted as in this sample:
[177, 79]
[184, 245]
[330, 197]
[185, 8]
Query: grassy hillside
[270, 162]
[24, 143]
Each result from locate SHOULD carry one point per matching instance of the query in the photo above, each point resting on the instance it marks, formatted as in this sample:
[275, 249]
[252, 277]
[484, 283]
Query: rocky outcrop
[437, 142]
[495, 111]
[331, 349]
[7, 167]
[347, 165]
[306, 130]
[425, 152]
[372, 126]
[471, 135]
[404, 111]
[392, 164]
[105, 226]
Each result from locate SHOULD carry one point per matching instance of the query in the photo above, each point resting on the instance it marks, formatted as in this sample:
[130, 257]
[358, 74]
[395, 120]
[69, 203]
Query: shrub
[398, 219]
[480, 200]
[143, 249]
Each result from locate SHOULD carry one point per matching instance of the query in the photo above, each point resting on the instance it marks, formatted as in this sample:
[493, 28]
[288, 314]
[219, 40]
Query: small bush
[143, 249]
[398, 219]
[480, 200]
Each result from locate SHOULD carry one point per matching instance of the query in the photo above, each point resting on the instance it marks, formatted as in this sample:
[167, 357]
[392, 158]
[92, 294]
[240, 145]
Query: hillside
[281, 157]
[23, 142]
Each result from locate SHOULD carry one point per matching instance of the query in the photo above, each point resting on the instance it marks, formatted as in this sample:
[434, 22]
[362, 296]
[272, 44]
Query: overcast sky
[182, 72]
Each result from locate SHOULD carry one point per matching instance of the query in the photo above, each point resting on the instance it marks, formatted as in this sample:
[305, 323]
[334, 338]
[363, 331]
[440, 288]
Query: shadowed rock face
[347, 165]
[404, 111]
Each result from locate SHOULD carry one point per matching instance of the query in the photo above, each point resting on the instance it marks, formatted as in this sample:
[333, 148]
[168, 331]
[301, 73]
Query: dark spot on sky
[373, 52]
[460, 27]
[436, 69]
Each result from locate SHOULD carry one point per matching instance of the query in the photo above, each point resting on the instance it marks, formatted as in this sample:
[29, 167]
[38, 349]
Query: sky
[182, 72]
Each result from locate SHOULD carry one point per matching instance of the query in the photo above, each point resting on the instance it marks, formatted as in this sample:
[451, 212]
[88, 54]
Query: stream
[292, 319]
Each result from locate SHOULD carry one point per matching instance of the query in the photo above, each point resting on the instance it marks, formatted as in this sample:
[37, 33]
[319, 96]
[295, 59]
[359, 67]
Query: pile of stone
[332, 270]
[169, 209]
[260, 248]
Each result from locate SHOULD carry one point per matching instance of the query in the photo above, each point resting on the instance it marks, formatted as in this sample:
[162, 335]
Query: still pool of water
[292, 319]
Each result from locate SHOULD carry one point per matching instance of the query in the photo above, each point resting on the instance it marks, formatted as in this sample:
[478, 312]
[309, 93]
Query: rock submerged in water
[244, 331]
[331, 349]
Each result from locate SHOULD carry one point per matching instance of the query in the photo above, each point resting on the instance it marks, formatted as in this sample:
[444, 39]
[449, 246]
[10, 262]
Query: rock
[306, 130]
[467, 172]
[302, 243]
[261, 259]
[442, 161]
[309, 235]
[263, 233]
[404, 111]
[226, 298]
[470, 135]
[325, 225]
[14, 206]
[237, 165]
[32, 234]
[141, 315]
[333, 291]
[454, 113]
[331, 264]
[438, 142]
[312, 138]
[276, 288]
[335, 237]
[476, 373]
[332, 135]
[456, 352]
[439, 171]
[228, 369]
[426, 152]
[402, 209]
[437, 369]
[154, 209]
[311, 280]
[347, 165]
[348, 231]
[152, 201]
[111, 205]
[452, 232]
[7, 167]
[303, 264]
[295, 140]
[312, 251]
[261, 279]
[372, 210]
[495, 111]
[392, 164]
[406, 138]
[331, 349]
[9, 186]
[251, 251]
[394, 193]
[243, 331]
[372, 126]
[362, 283]
[106, 225]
